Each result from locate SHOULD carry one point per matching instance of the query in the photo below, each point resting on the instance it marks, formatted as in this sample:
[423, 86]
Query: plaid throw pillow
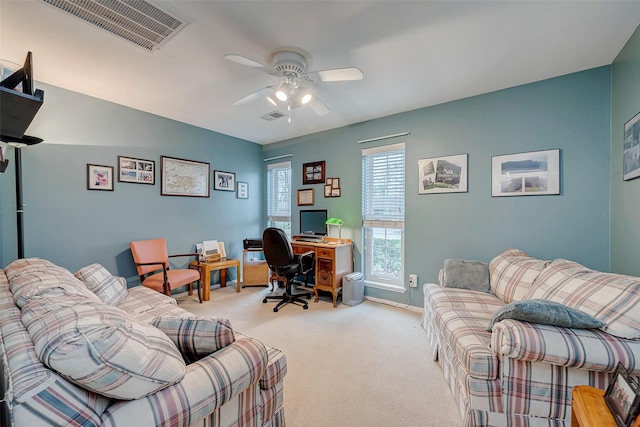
[108, 288]
[196, 337]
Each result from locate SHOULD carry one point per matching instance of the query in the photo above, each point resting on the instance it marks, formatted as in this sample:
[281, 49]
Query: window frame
[280, 218]
[389, 219]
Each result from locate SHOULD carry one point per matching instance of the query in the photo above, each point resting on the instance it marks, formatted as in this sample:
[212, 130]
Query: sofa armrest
[590, 349]
[207, 385]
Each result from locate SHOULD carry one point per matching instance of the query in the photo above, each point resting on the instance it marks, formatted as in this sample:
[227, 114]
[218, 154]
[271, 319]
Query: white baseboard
[395, 304]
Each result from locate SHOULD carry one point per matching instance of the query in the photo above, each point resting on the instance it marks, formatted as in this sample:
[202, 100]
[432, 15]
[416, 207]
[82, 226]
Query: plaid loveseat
[124, 357]
[522, 373]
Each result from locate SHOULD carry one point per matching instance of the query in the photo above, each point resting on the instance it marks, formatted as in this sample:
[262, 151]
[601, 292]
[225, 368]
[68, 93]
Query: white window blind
[383, 186]
[279, 192]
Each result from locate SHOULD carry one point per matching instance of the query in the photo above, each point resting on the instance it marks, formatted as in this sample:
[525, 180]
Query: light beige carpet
[361, 366]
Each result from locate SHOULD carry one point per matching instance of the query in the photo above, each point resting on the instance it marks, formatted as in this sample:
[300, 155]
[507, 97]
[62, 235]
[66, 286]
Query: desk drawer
[325, 253]
[323, 278]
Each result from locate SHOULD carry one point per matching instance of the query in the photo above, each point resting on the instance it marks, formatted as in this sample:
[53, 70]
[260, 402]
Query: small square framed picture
[224, 181]
[243, 190]
[99, 177]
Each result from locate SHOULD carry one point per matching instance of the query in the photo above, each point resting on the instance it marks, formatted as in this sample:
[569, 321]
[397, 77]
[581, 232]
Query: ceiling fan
[290, 65]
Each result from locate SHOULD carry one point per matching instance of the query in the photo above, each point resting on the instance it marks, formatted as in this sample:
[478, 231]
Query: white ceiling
[413, 54]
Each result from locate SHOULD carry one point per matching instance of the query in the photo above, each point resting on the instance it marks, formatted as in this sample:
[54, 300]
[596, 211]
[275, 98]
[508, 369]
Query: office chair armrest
[306, 261]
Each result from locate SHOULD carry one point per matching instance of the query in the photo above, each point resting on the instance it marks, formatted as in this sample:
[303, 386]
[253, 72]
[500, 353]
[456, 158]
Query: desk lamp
[339, 223]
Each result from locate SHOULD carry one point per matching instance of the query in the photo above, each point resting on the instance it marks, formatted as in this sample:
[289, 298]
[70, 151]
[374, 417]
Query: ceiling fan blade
[338, 74]
[242, 60]
[318, 106]
[252, 97]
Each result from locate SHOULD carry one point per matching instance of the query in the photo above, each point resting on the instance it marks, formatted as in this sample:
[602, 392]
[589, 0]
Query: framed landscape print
[180, 177]
[443, 174]
[631, 157]
[138, 171]
[224, 181]
[535, 173]
[99, 177]
[313, 173]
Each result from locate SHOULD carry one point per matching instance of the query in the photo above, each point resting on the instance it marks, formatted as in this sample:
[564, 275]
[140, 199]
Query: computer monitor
[313, 222]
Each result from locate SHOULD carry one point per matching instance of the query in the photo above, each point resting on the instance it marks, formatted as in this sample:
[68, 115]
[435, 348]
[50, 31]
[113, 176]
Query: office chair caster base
[264, 301]
[275, 309]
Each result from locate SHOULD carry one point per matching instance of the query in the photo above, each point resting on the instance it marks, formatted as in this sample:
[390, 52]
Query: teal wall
[625, 195]
[571, 113]
[73, 227]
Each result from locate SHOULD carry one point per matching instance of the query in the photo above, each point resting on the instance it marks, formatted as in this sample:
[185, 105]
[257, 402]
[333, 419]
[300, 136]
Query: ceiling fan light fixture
[304, 95]
[282, 93]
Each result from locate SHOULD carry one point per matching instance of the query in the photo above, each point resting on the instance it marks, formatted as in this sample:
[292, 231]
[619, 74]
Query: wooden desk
[205, 277]
[588, 408]
[333, 261]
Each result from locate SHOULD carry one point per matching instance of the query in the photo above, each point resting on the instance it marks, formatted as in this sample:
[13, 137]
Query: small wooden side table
[207, 266]
[588, 408]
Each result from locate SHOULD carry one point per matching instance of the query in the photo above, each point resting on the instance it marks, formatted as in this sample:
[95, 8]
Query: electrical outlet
[413, 280]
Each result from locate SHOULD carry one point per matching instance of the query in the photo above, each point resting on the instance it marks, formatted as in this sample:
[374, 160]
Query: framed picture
[243, 190]
[443, 174]
[99, 177]
[335, 192]
[535, 173]
[631, 157]
[327, 190]
[313, 173]
[180, 177]
[329, 181]
[623, 397]
[224, 181]
[138, 171]
[305, 197]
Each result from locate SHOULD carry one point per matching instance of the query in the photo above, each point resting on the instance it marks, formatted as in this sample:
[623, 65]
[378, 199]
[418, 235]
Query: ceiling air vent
[137, 21]
[274, 115]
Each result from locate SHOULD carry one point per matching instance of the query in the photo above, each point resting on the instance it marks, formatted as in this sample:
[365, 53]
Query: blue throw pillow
[463, 274]
[545, 313]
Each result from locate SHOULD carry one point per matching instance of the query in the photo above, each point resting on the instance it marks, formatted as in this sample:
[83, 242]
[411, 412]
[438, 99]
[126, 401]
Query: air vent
[137, 21]
[274, 115]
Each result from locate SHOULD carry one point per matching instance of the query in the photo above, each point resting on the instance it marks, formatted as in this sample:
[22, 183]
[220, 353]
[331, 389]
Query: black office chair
[286, 266]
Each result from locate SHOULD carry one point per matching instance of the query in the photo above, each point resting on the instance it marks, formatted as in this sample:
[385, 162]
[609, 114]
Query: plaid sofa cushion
[31, 277]
[512, 273]
[89, 343]
[612, 298]
[464, 332]
[107, 287]
[99, 347]
[196, 337]
[590, 349]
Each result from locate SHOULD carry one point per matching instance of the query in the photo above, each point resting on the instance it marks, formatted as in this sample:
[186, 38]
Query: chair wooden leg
[191, 289]
[199, 291]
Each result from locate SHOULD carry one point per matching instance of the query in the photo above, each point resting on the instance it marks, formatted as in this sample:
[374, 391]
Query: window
[383, 187]
[279, 196]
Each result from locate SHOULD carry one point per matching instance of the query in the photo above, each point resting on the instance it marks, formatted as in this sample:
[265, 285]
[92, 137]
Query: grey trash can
[353, 289]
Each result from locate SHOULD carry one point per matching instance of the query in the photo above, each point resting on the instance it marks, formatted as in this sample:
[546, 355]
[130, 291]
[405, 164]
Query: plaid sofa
[521, 373]
[113, 367]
